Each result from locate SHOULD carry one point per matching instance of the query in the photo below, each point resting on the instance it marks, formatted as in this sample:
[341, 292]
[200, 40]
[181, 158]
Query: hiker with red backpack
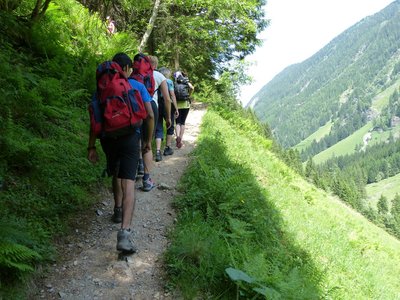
[116, 113]
[144, 71]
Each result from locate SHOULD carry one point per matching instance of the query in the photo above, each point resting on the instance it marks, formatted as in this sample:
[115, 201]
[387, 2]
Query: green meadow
[386, 187]
[319, 134]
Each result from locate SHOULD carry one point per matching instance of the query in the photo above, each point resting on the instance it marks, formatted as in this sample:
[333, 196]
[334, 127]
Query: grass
[345, 146]
[313, 246]
[319, 134]
[387, 187]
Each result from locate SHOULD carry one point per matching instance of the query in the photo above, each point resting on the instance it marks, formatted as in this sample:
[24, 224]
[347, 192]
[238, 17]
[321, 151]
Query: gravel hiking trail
[89, 266]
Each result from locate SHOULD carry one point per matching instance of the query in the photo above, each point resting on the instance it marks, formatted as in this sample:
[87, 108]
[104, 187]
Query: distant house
[394, 121]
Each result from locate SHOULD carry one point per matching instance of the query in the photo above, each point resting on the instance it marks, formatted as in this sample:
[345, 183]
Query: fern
[17, 256]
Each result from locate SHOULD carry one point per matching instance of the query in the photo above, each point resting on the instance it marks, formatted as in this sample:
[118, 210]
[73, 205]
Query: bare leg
[168, 140]
[178, 129]
[158, 144]
[128, 202]
[148, 162]
[117, 191]
[182, 131]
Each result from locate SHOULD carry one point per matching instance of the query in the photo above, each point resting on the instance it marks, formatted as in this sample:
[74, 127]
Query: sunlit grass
[338, 254]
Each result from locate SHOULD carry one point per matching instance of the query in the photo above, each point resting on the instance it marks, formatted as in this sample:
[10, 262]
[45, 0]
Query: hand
[146, 147]
[176, 115]
[168, 123]
[93, 157]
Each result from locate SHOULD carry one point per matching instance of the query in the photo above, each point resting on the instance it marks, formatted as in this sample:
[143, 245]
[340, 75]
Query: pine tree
[383, 207]
[395, 211]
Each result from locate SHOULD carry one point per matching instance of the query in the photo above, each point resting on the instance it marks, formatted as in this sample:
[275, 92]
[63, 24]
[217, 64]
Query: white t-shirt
[158, 78]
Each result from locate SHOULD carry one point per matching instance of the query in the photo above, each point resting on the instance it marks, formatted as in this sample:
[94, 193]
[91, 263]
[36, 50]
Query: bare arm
[173, 97]
[93, 157]
[149, 123]
[167, 102]
[191, 88]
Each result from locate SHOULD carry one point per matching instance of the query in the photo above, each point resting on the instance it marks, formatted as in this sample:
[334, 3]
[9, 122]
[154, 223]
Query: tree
[40, 9]
[395, 211]
[204, 35]
[150, 26]
[383, 207]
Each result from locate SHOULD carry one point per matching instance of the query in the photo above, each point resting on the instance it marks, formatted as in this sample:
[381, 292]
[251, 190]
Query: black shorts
[122, 155]
[183, 113]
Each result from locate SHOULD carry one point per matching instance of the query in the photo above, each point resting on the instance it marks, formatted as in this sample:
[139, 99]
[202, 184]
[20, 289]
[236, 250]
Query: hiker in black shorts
[183, 92]
[122, 154]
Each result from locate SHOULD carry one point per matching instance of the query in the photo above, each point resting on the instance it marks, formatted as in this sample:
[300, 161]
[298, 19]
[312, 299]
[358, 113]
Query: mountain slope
[336, 84]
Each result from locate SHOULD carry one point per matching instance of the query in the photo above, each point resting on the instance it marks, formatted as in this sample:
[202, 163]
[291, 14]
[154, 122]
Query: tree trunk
[177, 49]
[150, 26]
[39, 10]
[35, 12]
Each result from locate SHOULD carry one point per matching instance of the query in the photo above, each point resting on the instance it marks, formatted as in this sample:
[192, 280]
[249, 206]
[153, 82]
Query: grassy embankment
[243, 208]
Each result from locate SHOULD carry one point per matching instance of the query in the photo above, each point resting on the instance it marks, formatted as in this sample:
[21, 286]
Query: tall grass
[244, 210]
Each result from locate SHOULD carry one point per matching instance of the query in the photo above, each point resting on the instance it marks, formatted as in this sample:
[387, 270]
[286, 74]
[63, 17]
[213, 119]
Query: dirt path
[90, 267]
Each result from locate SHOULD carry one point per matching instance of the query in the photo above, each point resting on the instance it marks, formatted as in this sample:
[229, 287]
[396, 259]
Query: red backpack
[116, 108]
[143, 72]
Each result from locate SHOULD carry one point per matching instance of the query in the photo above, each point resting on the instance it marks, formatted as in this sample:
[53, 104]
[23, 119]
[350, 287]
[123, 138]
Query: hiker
[143, 73]
[111, 29]
[161, 85]
[174, 114]
[121, 151]
[183, 91]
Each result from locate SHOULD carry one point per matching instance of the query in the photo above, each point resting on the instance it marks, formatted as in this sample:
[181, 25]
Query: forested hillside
[341, 80]
[49, 51]
[340, 111]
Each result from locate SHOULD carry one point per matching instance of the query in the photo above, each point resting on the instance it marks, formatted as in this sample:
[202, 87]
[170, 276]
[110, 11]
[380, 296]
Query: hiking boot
[158, 156]
[168, 151]
[140, 170]
[124, 242]
[117, 216]
[148, 185]
[178, 142]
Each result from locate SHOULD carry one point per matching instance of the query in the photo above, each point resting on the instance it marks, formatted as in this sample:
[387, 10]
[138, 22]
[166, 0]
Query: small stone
[164, 186]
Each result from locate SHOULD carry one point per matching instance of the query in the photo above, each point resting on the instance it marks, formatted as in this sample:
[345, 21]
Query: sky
[297, 30]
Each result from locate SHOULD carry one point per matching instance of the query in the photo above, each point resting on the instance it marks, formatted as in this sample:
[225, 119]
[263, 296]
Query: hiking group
[127, 113]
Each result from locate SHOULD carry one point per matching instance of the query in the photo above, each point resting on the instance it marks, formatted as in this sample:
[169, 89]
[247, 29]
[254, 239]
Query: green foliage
[227, 29]
[44, 174]
[395, 211]
[17, 251]
[241, 278]
[383, 206]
